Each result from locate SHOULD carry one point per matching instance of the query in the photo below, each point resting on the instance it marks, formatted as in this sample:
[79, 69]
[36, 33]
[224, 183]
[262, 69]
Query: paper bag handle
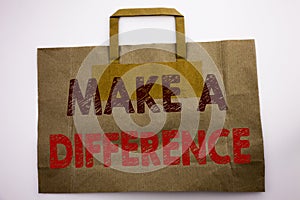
[133, 12]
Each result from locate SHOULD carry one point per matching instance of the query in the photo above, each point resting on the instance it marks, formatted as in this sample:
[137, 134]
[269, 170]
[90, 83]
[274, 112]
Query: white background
[26, 25]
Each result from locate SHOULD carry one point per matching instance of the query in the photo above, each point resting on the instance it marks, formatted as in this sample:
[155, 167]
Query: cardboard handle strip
[133, 12]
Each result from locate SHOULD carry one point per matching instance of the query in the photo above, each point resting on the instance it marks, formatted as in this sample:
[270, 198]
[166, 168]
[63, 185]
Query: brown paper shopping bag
[155, 117]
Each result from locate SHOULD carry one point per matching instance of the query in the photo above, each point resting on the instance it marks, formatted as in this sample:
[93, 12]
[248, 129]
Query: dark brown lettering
[168, 92]
[211, 84]
[142, 94]
[84, 103]
[113, 101]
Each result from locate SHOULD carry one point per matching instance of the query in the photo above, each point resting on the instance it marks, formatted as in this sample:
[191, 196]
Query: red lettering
[91, 148]
[78, 151]
[148, 149]
[127, 147]
[149, 143]
[54, 141]
[238, 144]
[109, 147]
[189, 144]
[211, 145]
[167, 136]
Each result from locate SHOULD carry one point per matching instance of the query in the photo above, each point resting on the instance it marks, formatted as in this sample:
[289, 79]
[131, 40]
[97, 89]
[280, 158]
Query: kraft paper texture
[236, 63]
